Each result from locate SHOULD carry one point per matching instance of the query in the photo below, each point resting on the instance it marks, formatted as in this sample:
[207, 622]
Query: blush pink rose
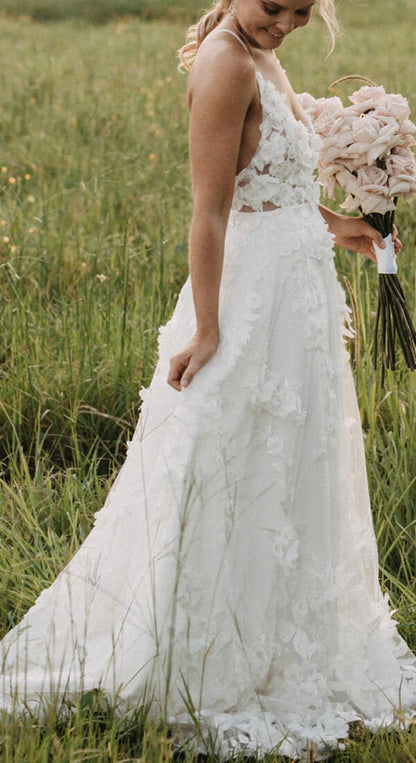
[312, 106]
[365, 128]
[402, 161]
[374, 180]
[324, 112]
[408, 127]
[393, 105]
[351, 204]
[401, 168]
[327, 176]
[368, 203]
[366, 98]
[368, 190]
[348, 181]
[389, 137]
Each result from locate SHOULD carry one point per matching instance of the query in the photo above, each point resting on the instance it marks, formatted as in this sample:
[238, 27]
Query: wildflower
[2, 223]
[27, 176]
[14, 248]
[101, 277]
[4, 169]
[31, 198]
[31, 230]
[168, 79]
[5, 239]
[12, 180]
[152, 157]
[83, 265]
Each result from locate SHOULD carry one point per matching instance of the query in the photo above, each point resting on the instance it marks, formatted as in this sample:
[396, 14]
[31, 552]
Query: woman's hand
[186, 363]
[355, 234]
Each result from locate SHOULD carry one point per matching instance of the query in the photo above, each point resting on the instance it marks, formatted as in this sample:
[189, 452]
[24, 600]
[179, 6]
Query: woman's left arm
[355, 233]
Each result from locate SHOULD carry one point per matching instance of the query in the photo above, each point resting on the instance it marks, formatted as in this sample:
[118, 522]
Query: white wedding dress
[232, 575]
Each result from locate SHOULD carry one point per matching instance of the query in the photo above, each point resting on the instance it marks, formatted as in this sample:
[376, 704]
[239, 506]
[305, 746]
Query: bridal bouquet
[366, 152]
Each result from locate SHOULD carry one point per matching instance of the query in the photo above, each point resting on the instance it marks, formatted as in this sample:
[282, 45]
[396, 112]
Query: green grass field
[95, 207]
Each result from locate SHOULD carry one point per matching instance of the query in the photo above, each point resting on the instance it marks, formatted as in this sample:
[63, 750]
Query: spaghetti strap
[234, 35]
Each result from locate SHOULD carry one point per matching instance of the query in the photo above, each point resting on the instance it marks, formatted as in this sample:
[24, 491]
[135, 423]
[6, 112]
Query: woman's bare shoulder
[222, 68]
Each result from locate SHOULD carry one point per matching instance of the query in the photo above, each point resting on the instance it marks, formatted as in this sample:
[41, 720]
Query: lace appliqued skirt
[234, 564]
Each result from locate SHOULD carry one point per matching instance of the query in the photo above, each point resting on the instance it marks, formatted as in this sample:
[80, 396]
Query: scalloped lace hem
[228, 735]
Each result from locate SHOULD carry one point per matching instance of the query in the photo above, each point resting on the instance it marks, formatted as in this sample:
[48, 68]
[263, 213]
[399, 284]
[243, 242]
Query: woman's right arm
[220, 93]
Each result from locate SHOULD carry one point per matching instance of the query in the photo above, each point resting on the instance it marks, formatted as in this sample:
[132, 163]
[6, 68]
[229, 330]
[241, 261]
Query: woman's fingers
[396, 240]
[357, 235]
[374, 235]
[186, 363]
[190, 372]
[178, 364]
[182, 372]
[183, 368]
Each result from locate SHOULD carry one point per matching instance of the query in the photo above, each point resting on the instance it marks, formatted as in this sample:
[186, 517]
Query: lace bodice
[281, 172]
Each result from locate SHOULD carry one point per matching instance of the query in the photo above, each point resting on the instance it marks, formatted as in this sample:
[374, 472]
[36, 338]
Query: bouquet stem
[393, 318]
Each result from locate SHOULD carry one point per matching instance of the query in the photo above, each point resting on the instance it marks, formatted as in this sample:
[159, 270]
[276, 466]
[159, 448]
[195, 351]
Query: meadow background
[95, 208]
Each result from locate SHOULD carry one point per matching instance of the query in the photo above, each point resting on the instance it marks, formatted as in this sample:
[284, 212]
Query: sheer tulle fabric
[233, 568]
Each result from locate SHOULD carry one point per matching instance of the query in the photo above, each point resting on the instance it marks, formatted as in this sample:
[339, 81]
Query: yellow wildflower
[152, 157]
[27, 176]
[31, 230]
[12, 180]
[31, 199]
[4, 169]
[5, 239]
[3, 222]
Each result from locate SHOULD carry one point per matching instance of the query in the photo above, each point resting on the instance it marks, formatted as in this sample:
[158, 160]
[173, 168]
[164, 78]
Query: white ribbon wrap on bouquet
[386, 258]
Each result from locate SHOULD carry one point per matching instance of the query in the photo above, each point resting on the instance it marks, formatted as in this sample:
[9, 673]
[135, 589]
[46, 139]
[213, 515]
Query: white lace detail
[281, 172]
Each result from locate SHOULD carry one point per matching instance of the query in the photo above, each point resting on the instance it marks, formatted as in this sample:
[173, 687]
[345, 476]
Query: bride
[232, 575]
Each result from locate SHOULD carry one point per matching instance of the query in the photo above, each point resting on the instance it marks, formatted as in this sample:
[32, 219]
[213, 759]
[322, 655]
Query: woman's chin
[275, 40]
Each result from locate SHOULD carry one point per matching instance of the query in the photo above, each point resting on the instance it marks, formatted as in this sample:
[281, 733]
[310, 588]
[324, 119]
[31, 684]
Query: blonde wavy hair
[209, 20]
